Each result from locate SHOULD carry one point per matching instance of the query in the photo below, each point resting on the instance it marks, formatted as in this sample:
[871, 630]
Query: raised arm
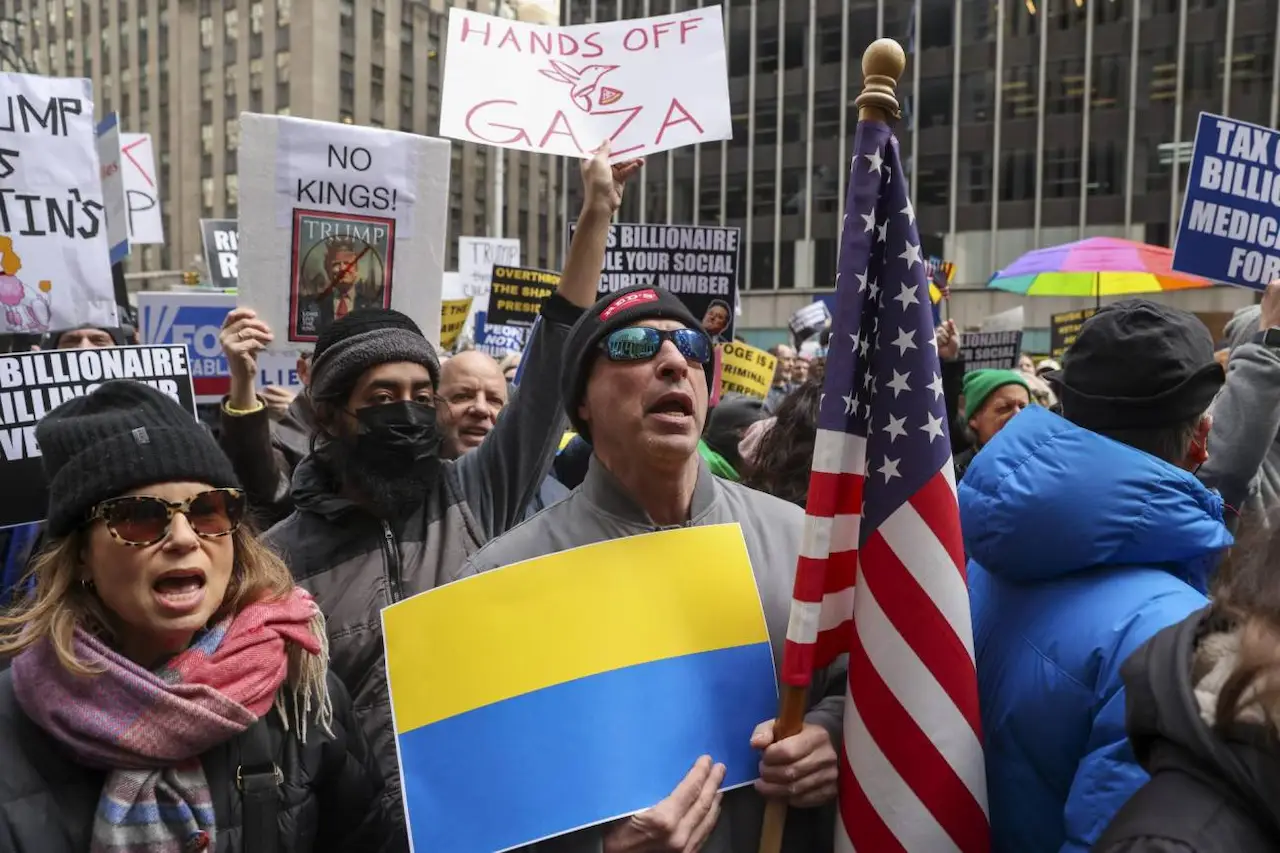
[502, 475]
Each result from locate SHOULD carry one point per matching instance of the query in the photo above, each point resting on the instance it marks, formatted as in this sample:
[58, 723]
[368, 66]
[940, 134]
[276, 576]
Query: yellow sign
[453, 316]
[746, 370]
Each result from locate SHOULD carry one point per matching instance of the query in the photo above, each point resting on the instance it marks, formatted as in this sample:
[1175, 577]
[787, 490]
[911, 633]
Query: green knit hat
[980, 384]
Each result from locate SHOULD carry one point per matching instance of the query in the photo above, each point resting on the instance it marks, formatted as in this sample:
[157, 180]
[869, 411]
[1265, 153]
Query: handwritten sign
[746, 370]
[1065, 327]
[141, 189]
[108, 144]
[221, 238]
[55, 267]
[698, 263]
[990, 350]
[516, 295]
[477, 257]
[35, 383]
[646, 85]
[453, 316]
[329, 212]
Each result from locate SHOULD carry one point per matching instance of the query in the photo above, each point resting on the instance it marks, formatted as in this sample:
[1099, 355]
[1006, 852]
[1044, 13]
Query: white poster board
[476, 259]
[141, 189]
[646, 85]
[55, 268]
[335, 217]
[109, 167]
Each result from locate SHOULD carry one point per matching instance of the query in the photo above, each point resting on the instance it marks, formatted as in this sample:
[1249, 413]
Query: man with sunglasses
[380, 513]
[636, 375]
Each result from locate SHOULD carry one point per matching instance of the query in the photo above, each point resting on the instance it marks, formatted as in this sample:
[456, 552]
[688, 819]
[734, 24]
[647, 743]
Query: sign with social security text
[615, 648]
[221, 238]
[516, 295]
[55, 267]
[338, 217]
[1230, 226]
[194, 320]
[990, 350]
[746, 370]
[645, 85]
[32, 384]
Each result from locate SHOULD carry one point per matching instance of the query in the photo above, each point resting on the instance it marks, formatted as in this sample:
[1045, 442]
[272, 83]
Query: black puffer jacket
[329, 800]
[1209, 792]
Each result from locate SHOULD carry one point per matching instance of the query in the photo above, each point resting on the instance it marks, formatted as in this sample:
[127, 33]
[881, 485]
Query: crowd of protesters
[192, 642]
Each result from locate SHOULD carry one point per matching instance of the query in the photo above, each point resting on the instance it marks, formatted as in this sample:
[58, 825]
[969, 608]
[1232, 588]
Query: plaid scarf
[148, 729]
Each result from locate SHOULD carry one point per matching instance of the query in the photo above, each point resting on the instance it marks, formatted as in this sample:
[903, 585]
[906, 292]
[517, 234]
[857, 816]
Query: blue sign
[195, 319]
[498, 341]
[1230, 226]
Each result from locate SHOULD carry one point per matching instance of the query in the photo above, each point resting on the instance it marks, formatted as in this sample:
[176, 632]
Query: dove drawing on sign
[587, 92]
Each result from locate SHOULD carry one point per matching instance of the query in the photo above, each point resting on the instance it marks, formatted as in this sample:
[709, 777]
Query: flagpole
[882, 65]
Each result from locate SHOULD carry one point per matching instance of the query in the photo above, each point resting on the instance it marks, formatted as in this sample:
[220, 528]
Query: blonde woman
[169, 690]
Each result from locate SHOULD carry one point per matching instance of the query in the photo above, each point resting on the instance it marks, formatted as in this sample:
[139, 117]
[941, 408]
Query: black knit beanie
[123, 435]
[615, 311]
[365, 338]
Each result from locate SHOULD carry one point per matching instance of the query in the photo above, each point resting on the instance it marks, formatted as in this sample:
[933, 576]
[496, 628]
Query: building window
[1251, 64]
[761, 265]
[1065, 90]
[766, 122]
[233, 134]
[284, 12]
[206, 139]
[937, 26]
[1017, 175]
[1104, 169]
[1062, 173]
[1020, 93]
[206, 31]
[767, 51]
[255, 18]
[933, 180]
[282, 66]
[206, 86]
[977, 95]
[1109, 83]
[826, 114]
[255, 75]
[206, 195]
[977, 172]
[763, 192]
[233, 190]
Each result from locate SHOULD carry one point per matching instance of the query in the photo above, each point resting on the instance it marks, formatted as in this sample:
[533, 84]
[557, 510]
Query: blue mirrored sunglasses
[641, 343]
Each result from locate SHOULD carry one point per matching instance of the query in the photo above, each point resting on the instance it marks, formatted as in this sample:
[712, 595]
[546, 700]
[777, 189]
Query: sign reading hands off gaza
[645, 85]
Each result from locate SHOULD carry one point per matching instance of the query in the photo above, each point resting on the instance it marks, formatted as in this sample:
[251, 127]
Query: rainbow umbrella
[1097, 267]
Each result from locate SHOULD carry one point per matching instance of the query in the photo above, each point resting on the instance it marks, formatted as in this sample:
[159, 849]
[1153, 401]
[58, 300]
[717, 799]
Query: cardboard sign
[55, 265]
[698, 263]
[32, 384]
[990, 350]
[329, 212]
[517, 294]
[453, 316]
[607, 638]
[1064, 327]
[109, 167]
[1230, 225]
[141, 189]
[194, 320]
[746, 370]
[645, 85]
[221, 238]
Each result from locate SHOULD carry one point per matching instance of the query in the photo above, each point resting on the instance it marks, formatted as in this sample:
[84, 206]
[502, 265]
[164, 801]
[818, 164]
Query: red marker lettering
[687, 26]
[570, 41]
[667, 122]
[658, 29]
[467, 28]
[558, 119]
[592, 40]
[633, 44]
[536, 42]
[520, 134]
[510, 37]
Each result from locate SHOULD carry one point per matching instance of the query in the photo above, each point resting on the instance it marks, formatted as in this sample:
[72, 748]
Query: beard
[390, 492]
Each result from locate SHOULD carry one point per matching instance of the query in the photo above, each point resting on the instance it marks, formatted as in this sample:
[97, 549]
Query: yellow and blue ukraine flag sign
[568, 690]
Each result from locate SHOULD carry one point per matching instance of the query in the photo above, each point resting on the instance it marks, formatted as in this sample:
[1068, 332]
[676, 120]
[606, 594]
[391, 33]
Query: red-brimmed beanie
[615, 311]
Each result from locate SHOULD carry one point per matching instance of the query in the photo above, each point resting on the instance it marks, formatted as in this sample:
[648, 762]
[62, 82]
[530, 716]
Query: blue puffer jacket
[1082, 549]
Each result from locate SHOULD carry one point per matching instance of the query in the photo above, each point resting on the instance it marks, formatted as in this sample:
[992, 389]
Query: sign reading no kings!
[695, 262]
[34, 384]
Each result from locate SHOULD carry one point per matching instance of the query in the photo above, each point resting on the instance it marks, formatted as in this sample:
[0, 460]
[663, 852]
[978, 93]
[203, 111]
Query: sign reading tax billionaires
[33, 384]
[698, 263]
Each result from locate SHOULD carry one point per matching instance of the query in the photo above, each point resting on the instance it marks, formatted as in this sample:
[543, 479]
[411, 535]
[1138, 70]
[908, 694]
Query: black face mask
[397, 438]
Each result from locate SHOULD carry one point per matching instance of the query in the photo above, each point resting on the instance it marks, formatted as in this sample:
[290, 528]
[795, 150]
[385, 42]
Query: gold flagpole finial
[882, 67]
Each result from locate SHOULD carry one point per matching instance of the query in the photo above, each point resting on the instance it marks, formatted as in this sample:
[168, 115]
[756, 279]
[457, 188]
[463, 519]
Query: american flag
[882, 520]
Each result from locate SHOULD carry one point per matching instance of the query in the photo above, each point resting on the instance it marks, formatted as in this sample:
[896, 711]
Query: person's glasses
[641, 343]
[141, 520]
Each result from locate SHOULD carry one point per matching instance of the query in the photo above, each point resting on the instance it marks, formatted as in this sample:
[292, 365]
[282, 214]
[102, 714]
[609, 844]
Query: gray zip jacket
[355, 564]
[601, 509]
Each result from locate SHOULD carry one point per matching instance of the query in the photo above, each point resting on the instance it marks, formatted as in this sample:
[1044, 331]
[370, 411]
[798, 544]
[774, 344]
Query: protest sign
[32, 384]
[1064, 327]
[221, 238]
[55, 265]
[453, 316]
[517, 294]
[990, 350]
[476, 259]
[600, 645]
[698, 263]
[746, 370]
[194, 320]
[809, 320]
[109, 157]
[1013, 320]
[500, 340]
[646, 85]
[1230, 225]
[331, 211]
[141, 189]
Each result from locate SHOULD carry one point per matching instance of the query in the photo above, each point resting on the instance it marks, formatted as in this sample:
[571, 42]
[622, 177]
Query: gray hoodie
[1244, 444]
[601, 509]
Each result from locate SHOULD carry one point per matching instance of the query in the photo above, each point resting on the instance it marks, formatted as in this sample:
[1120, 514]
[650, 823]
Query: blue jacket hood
[1046, 498]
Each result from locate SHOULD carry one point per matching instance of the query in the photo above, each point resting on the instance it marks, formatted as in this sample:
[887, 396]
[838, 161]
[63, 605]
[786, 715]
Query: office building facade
[183, 70]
